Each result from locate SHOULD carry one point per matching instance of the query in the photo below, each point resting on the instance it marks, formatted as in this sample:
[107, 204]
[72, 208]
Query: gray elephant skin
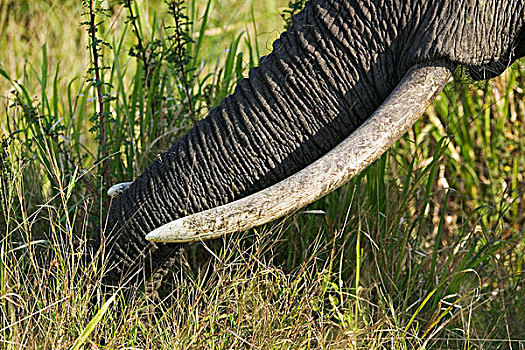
[325, 76]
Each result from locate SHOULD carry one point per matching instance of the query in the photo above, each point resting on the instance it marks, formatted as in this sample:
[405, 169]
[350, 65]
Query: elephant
[340, 79]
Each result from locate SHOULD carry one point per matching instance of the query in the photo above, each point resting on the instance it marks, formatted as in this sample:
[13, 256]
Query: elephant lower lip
[390, 121]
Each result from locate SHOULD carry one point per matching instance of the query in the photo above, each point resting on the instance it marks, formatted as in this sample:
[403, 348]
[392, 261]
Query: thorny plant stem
[142, 51]
[3, 183]
[143, 55]
[180, 54]
[100, 97]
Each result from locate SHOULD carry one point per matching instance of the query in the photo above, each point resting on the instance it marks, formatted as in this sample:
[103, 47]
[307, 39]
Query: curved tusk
[118, 189]
[390, 121]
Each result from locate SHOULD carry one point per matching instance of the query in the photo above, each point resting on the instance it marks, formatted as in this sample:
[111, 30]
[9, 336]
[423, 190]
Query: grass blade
[93, 323]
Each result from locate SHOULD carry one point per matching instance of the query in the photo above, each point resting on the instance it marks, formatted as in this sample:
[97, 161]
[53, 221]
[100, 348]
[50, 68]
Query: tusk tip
[152, 237]
[118, 189]
[172, 232]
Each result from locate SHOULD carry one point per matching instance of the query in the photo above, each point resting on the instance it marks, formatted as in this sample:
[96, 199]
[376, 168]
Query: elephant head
[340, 63]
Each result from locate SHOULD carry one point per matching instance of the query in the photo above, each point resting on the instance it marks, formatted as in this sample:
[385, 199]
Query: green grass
[424, 249]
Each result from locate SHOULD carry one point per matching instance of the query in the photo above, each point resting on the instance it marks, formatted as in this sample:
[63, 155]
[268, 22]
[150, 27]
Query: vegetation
[426, 248]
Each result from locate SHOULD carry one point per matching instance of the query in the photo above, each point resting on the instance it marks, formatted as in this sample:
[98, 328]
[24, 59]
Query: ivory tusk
[118, 189]
[390, 121]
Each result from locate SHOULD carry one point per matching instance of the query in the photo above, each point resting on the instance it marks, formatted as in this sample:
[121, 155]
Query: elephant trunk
[326, 75]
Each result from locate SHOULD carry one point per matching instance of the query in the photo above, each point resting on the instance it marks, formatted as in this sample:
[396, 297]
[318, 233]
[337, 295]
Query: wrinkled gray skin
[325, 76]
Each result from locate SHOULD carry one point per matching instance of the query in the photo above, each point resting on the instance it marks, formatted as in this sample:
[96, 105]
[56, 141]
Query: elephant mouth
[390, 121]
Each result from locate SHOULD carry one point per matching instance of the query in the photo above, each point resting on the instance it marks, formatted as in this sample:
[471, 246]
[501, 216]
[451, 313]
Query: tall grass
[424, 249]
